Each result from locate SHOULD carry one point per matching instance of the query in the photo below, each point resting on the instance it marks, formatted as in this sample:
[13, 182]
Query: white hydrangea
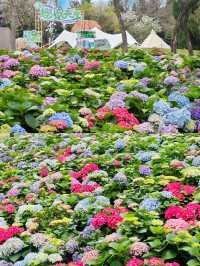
[11, 246]
[53, 258]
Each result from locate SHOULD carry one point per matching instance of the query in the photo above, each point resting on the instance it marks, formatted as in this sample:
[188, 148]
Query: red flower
[44, 172]
[5, 234]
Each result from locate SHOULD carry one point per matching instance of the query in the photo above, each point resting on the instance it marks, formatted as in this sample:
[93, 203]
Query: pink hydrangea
[135, 262]
[172, 264]
[72, 68]
[155, 262]
[176, 224]
[139, 248]
[38, 71]
[90, 255]
[8, 74]
[92, 65]
[10, 208]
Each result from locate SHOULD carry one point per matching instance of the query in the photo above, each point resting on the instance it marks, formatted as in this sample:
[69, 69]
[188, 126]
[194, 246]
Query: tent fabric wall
[6, 39]
[154, 41]
[114, 40]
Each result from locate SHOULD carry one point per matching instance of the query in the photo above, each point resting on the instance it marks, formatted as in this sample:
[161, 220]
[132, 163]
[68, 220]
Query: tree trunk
[189, 43]
[121, 23]
[12, 14]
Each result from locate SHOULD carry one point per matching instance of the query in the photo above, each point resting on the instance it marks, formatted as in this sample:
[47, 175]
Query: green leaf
[193, 263]
[168, 254]
[31, 120]
[116, 263]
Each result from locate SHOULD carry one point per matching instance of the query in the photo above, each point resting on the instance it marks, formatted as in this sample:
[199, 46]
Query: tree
[19, 16]
[118, 10]
[182, 9]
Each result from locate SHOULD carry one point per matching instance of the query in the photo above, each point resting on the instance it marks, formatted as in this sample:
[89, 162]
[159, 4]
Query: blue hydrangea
[157, 58]
[150, 204]
[76, 58]
[121, 64]
[120, 144]
[196, 161]
[5, 83]
[120, 86]
[180, 99]
[62, 116]
[98, 202]
[145, 156]
[167, 194]
[17, 129]
[161, 107]
[178, 117]
[81, 61]
[139, 68]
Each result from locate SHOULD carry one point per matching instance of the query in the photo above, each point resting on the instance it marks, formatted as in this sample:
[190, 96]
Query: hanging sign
[48, 13]
[32, 36]
[102, 44]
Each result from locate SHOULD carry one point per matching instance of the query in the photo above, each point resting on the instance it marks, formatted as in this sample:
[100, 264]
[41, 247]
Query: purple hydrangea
[4, 58]
[171, 81]
[195, 112]
[145, 170]
[116, 100]
[139, 95]
[38, 71]
[11, 62]
[196, 161]
[121, 179]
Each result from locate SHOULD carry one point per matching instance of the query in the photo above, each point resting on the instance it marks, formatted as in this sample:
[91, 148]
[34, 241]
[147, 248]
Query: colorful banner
[32, 36]
[68, 16]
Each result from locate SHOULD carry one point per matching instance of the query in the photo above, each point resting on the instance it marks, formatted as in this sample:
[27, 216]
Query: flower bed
[118, 199]
[81, 91]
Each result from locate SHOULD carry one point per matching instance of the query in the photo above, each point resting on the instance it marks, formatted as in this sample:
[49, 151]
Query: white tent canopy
[114, 40]
[154, 41]
[65, 36]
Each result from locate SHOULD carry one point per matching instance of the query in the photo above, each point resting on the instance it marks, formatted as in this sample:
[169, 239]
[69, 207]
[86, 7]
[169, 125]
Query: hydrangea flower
[65, 117]
[180, 99]
[4, 82]
[145, 170]
[18, 129]
[121, 64]
[121, 179]
[150, 204]
[161, 107]
[11, 246]
[178, 118]
[38, 71]
[120, 144]
[171, 81]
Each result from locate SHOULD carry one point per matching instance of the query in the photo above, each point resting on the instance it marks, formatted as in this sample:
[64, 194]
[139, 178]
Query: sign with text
[47, 13]
[32, 36]
[102, 44]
